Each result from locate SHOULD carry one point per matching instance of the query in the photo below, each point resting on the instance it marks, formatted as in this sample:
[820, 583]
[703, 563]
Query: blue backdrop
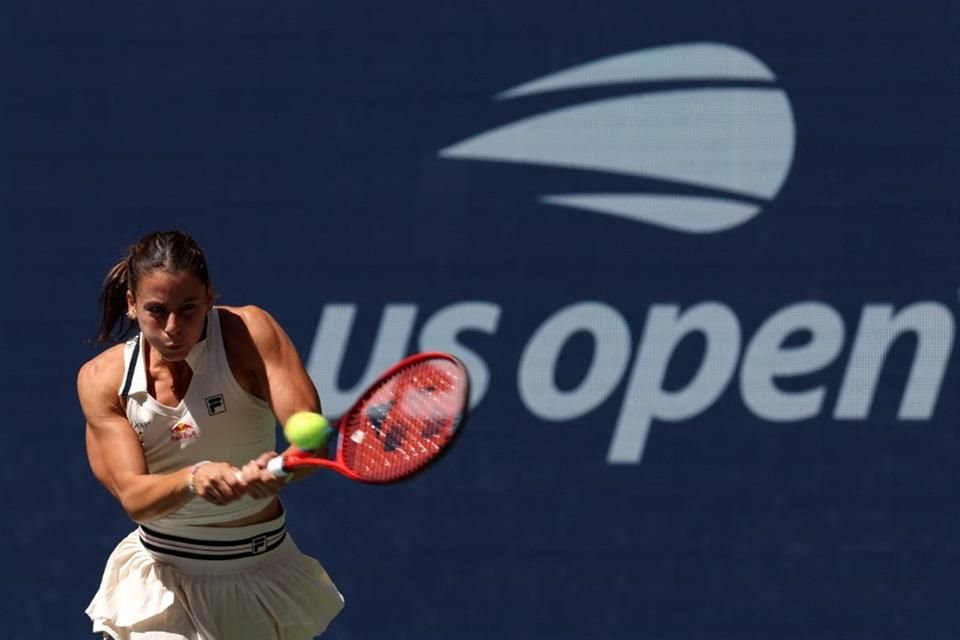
[701, 259]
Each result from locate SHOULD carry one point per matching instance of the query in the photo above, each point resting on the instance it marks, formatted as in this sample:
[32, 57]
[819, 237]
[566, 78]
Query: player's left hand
[260, 482]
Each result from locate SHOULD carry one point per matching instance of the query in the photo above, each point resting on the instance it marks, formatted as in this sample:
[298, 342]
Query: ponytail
[113, 304]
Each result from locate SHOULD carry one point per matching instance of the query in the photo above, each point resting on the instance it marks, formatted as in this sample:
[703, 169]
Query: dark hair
[170, 251]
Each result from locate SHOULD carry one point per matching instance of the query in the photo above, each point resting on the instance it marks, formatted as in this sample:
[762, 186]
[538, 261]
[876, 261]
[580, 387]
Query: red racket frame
[300, 459]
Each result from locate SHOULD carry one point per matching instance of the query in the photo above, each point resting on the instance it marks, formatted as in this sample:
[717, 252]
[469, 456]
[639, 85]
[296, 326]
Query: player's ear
[131, 305]
[210, 297]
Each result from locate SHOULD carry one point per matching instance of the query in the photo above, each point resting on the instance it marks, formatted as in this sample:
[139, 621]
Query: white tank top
[216, 420]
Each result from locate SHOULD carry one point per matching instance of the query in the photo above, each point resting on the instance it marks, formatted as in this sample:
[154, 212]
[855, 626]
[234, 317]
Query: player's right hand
[218, 482]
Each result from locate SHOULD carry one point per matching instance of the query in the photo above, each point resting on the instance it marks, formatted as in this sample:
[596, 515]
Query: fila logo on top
[703, 124]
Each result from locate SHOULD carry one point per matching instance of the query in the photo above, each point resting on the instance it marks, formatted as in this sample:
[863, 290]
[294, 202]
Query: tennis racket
[398, 426]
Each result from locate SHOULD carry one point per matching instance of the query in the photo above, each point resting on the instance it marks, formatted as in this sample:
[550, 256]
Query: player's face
[170, 309]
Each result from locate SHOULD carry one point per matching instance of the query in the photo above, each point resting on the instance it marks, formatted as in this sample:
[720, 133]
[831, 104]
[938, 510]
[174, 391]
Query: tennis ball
[306, 430]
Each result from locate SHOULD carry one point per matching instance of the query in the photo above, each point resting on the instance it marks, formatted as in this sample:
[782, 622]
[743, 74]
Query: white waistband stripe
[211, 549]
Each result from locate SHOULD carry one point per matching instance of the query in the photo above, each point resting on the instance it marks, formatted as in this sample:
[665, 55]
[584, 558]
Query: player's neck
[175, 368]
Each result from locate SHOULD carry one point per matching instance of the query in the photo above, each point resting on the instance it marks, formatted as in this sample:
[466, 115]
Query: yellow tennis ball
[306, 430]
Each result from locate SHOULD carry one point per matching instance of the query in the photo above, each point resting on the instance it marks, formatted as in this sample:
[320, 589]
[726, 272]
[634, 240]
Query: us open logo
[704, 125]
[692, 138]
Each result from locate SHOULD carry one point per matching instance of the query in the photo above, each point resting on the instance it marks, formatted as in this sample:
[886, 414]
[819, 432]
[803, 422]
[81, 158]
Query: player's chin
[174, 353]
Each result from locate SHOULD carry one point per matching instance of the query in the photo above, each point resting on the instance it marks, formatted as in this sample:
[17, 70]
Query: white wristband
[193, 472]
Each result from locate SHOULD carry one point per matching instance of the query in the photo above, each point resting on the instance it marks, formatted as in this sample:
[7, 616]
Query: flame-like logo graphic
[705, 123]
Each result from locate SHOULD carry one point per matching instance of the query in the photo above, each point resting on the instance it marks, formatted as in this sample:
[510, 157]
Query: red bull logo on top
[183, 431]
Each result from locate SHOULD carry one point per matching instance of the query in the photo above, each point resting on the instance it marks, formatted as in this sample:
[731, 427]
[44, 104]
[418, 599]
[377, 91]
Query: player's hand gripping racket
[401, 424]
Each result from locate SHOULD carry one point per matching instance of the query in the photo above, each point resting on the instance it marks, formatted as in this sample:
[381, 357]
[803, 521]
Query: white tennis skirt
[213, 583]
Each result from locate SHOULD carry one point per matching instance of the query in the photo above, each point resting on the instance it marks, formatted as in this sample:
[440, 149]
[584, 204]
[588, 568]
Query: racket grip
[274, 466]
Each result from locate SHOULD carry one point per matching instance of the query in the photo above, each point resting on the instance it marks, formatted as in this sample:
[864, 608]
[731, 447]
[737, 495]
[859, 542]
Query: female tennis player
[172, 416]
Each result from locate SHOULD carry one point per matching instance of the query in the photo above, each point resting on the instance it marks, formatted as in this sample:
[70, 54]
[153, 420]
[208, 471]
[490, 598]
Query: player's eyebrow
[182, 302]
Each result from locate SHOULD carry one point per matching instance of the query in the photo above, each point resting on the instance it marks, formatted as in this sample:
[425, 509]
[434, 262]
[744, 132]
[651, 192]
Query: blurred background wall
[701, 259]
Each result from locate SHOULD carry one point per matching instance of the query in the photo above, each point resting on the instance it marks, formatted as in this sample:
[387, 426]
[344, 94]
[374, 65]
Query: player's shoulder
[248, 320]
[103, 371]
[248, 330]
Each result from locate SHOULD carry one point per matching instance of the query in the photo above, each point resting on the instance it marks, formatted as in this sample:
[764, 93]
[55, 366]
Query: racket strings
[406, 421]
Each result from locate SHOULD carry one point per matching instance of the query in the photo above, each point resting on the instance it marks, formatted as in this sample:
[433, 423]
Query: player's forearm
[151, 496]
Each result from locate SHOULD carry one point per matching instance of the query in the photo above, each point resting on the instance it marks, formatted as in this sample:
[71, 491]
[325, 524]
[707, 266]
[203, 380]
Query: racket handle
[274, 466]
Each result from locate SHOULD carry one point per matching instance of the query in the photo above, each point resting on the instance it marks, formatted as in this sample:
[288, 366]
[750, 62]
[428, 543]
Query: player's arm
[116, 456]
[280, 377]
